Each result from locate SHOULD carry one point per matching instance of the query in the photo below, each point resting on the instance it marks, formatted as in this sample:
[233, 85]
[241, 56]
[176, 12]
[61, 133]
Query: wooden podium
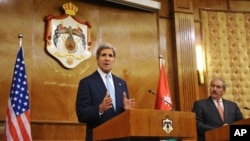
[147, 125]
[223, 133]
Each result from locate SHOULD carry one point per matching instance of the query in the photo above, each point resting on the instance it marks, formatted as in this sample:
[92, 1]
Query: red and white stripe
[17, 127]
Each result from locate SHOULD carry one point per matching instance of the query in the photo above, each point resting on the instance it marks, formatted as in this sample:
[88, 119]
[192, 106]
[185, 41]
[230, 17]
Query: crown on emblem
[70, 8]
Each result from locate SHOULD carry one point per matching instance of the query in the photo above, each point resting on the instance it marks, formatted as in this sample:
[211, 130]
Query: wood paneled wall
[139, 36]
[52, 88]
[185, 62]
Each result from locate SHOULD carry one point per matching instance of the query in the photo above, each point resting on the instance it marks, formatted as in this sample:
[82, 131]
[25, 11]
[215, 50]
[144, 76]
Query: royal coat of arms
[68, 38]
[167, 125]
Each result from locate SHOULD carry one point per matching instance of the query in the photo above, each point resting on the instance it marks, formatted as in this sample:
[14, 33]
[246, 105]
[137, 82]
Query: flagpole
[160, 61]
[20, 36]
[17, 126]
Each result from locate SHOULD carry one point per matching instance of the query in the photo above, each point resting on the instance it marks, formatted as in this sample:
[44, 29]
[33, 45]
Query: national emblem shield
[167, 125]
[68, 38]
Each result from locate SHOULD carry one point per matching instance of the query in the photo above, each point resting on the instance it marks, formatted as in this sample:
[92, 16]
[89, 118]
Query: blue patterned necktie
[110, 89]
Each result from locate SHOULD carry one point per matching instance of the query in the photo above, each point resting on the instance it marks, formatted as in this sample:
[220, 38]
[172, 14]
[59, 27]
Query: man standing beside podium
[101, 95]
[214, 111]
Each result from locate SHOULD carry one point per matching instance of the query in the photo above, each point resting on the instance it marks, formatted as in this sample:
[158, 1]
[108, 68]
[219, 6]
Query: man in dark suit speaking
[101, 95]
[215, 111]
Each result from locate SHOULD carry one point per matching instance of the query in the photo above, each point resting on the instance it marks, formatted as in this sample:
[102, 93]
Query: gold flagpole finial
[20, 36]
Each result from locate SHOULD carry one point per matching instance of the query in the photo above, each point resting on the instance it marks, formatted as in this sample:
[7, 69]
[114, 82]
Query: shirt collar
[103, 74]
[217, 100]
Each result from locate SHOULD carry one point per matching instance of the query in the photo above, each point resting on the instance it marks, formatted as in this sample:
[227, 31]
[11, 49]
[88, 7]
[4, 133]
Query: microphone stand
[150, 91]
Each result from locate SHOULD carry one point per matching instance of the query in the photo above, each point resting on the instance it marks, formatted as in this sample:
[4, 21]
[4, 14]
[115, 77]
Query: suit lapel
[118, 91]
[225, 106]
[97, 80]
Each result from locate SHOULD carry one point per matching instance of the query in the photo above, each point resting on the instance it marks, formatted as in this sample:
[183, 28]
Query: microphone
[152, 92]
[246, 108]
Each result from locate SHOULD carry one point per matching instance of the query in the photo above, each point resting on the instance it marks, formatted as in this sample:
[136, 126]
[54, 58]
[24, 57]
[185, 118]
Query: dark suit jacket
[208, 117]
[91, 92]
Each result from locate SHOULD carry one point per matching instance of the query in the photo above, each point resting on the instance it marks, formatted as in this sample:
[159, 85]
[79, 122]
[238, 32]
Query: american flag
[18, 109]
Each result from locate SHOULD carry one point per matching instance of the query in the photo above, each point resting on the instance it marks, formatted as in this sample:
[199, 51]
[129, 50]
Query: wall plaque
[68, 38]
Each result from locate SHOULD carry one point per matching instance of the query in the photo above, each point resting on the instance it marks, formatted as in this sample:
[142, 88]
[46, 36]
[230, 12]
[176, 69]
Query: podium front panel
[147, 124]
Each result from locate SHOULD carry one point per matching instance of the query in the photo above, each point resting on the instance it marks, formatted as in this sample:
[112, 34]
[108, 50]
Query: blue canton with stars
[19, 90]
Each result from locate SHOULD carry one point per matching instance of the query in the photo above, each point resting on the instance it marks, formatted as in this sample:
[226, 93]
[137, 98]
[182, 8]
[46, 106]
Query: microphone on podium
[246, 108]
[152, 92]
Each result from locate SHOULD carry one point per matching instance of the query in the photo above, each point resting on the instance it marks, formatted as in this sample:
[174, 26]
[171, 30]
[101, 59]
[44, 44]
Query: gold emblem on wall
[68, 38]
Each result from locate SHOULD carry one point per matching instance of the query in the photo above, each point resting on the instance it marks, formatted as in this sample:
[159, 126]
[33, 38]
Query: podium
[223, 133]
[147, 125]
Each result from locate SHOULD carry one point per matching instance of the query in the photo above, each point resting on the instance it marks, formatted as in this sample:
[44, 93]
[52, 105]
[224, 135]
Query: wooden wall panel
[166, 50]
[53, 88]
[239, 5]
[139, 36]
[186, 81]
[165, 10]
[185, 6]
[12, 23]
[51, 131]
[185, 57]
